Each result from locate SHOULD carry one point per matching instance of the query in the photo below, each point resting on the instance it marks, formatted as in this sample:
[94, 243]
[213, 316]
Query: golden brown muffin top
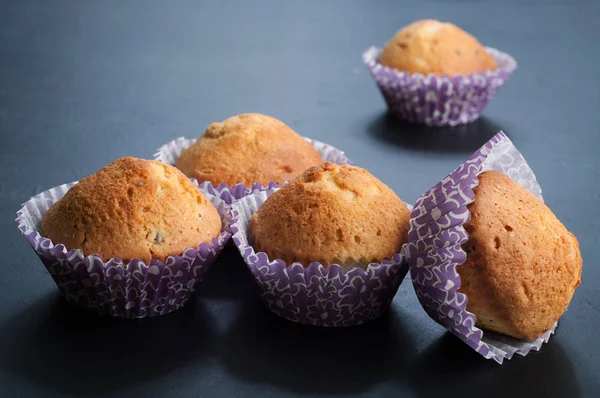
[522, 266]
[332, 214]
[430, 46]
[132, 208]
[248, 148]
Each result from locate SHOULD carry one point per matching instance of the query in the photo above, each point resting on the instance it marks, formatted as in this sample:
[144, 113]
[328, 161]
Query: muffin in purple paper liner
[114, 288]
[438, 100]
[169, 152]
[315, 295]
[435, 247]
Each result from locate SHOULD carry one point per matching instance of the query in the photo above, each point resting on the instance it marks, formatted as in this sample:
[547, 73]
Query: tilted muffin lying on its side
[248, 148]
[132, 208]
[430, 46]
[332, 214]
[522, 264]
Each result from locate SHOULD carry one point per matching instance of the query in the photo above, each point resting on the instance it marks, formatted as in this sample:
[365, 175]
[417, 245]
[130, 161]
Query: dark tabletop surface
[83, 83]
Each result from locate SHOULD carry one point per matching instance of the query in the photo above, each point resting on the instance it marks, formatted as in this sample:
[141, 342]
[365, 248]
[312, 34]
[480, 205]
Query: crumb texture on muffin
[522, 265]
[132, 208]
[248, 148]
[332, 214]
[430, 46]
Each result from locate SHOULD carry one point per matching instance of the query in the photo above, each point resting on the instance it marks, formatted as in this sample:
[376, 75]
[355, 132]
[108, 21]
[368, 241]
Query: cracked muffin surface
[132, 208]
[522, 264]
[248, 148]
[334, 215]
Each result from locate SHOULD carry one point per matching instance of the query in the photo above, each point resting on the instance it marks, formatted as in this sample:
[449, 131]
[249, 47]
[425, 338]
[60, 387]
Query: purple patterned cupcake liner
[316, 295]
[169, 153]
[438, 100]
[434, 249]
[115, 288]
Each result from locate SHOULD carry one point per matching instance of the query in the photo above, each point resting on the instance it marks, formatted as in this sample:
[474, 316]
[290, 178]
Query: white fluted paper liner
[170, 152]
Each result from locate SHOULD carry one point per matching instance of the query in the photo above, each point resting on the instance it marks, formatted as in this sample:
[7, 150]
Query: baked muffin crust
[248, 148]
[332, 214]
[522, 266]
[430, 46]
[132, 208]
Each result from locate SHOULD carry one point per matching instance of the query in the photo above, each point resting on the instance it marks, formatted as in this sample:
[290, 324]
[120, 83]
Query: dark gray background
[85, 82]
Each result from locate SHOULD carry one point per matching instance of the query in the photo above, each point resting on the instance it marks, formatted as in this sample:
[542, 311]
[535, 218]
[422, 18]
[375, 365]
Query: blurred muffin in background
[440, 48]
[246, 149]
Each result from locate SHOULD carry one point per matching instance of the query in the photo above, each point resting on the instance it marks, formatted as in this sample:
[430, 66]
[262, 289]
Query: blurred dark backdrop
[85, 82]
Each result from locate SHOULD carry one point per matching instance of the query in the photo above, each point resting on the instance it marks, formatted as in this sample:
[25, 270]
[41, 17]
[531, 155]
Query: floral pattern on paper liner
[436, 235]
[438, 100]
[316, 295]
[115, 288]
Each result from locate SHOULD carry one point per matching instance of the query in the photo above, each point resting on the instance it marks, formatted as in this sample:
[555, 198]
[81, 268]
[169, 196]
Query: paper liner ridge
[438, 100]
[436, 235]
[115, 288]
[316, 295]
[169, 152]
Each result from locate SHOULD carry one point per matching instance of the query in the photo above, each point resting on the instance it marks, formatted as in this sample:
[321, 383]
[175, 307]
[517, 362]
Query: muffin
[333, 215]
[436, 74]
[246, 149]
[433, 47]
[522, 264]
[132, 208]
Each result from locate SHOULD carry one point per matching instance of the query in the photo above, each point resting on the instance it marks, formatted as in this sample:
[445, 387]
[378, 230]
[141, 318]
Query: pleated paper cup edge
[246, 249]
[52, 252]
[170, 151]
[416, 83]
[489, 340]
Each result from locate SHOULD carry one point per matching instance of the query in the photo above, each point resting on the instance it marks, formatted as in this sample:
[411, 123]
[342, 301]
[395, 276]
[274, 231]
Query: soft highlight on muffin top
[246, 149]
[522, 265]
[430, 46]
[132, 208]
[332, 214]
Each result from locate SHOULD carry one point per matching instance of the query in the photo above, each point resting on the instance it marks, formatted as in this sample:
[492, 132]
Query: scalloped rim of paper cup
[169, 152]
[458, 320]
[229, 194]
[505, 63]
[438, 101]
[317, 269]
[29, 224]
